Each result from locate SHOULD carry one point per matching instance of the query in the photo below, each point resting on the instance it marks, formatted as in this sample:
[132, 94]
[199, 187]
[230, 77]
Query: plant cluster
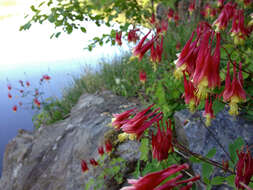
[199, 75]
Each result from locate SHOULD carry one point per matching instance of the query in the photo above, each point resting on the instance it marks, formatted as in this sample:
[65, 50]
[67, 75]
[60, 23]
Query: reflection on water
[29, 55]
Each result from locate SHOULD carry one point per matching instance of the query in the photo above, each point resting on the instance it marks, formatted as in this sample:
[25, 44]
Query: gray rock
[49, 158]
[224, 129]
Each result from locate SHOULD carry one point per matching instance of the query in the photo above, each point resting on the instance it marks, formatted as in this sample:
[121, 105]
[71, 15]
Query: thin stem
[230, 59]
[198, 156]
[217, 141]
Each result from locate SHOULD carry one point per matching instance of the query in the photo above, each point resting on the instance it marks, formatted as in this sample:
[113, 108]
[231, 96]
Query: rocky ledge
[49, 158]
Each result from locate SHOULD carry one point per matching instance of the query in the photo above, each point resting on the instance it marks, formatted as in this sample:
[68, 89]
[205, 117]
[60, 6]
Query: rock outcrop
[224, 130]
[49, 158]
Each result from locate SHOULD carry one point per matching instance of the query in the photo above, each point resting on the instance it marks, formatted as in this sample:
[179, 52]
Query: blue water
[29, 55]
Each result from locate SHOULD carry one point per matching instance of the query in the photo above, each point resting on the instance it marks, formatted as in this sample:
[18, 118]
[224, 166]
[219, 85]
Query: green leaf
[206, 170]
[217, 106]
[236, 145]
[217, 180]
[57, 34]
[230, 180]
[144, 149]
[83, 29]
[211, 153]
[194, 159]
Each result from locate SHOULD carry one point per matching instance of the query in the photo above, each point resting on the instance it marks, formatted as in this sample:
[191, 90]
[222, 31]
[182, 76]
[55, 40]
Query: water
[29, 55]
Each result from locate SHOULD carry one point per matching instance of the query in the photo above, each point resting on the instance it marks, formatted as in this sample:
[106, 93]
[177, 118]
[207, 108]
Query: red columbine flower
[93, 162]
[162, 142]
[170, 14]
[14, 108]
[36, 92]
[21, 83]
[121, 118]
[234, 93]
[178, 46]
[46, 77]
[220, 3]
[118, 38]
[141, 49]
[208, 112]
[142, 76]
[225, 165]
[132, 36]
[101, 151]
[9, 95]
[226, 14]
[27, 83]
[176, 18]
[153, 180]
[238, 31]
[108, 146]
[247, 3]
[152, 19]
[9, 87]
[206, 75]
[84, 166]
[36, 102]
[189, 94]
[20, 103]
[213, 13]
[21, 91]
[191, 7]
[139, 123]
[186, 59]
[244, 168]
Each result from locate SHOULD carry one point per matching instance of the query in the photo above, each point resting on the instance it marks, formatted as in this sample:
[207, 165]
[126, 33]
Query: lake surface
[29, 55]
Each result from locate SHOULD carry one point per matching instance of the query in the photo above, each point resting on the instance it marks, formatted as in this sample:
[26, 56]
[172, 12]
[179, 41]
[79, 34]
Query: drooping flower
[20, 103]
[9, 87]
[244, 168]
[233, 93]
[14, 108]
[141, 121]
[84, 166]
[93, 162]
[189, 94]
[118, 38]
[213, 13]
[178, 46]
[101, 151]
[21, 91]
[46, 77]
[153, 180]
[206, 74]
[225, 165]
[27, 83]
[226, 14]
[170, 14]
[9, 95]
[162, 142]
[152, 19]
[208, 113]
[141, 48]
[176, 18]
[220, 3]
[108, 146]
[238, 31]
[120, 119]
[132, 36]
[36, 102]
[142, 76]
[191, 7]
[21, 83]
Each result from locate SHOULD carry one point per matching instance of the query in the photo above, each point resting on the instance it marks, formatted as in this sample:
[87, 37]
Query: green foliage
[144, 149]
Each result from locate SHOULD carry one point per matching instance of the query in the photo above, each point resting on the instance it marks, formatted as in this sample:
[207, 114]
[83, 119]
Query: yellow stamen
[122, 137]
[178, 73]
[208, 120]
[192, 105]
[202, 91]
